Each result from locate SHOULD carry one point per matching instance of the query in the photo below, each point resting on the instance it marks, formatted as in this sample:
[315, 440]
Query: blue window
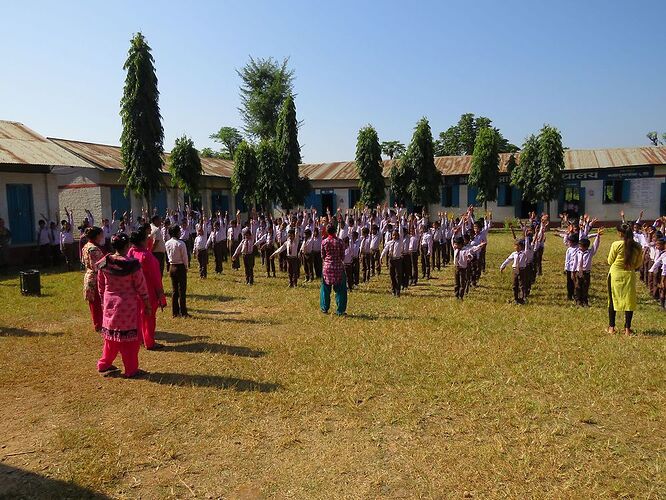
[160, 201]
[663, 198]
[240, 204]
[119, 202]
[354, 197]
[506, 195]
[219, 201]
[313, 200]
[450, 195]
[472, 191]
[616, 191]
[21, 213]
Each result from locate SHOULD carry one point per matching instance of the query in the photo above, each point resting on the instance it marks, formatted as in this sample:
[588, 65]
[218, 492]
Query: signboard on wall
[616, 173]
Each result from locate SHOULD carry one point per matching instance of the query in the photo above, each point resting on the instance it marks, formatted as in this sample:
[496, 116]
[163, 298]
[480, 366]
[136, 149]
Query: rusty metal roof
[574, 159]
[20, 145]
[109, 157]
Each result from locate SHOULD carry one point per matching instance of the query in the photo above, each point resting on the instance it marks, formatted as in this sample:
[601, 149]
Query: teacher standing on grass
[624, 258]
[333, 273]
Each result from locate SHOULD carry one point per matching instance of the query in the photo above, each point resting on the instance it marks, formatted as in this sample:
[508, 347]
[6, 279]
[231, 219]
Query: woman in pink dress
[121, 283]
[91, 253]
[151, 271]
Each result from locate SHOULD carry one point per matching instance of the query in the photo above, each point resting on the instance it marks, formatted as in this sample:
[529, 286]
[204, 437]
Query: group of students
[652, 239]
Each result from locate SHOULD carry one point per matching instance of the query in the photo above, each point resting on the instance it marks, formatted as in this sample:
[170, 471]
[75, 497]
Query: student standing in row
[518, 261]
[583, 268]
[290, 248]
[246, 249]
[200, 249]
[178, 263]
[393, 252]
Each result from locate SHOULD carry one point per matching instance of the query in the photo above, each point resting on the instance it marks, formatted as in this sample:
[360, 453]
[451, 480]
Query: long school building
[601, 182]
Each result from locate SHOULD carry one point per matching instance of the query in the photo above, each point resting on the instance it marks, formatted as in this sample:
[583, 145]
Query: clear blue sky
[595, 69]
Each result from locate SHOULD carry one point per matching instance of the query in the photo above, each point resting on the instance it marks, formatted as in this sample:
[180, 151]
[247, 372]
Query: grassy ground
[260, 395]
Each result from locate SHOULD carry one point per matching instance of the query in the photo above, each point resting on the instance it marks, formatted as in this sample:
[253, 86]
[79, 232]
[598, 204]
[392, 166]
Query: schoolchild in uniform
[355, 245]
[348, 262]
[365, 254]
[375, 240]
[427, 249]
[583, 267]
[246, 249]
[267, 246]
[306, 255]
[217, 240]
[393, 253]
[657, 268]
[462, 256]
[572, 248]
[414, 246]
[290, 249]
[518, 262]
[200, 250]
[316, 251]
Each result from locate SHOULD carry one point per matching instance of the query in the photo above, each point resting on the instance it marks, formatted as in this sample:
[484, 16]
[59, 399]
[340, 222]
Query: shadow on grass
[212, 297]
[22, 332]
[213, 311]
[654, 333]
[375, 317]
[242, 321]
[177, 337]
[219, 382]
[233, 350]
[20, 483]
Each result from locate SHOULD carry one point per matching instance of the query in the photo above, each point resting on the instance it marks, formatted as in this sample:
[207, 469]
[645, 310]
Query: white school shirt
[200, 242]
[518, 260]
[375, 239]
[364, 245]
[583, 259]
[659, 263]
[349, 254]
[462, 257]
[290, 247]
[413, 244]
[245, 247]
[306, 247]
[393, 249]
[426, 241]
[316, 244]
[266, 238]
[66, 237]
[176, 252]
[569, 259]
[43, 236]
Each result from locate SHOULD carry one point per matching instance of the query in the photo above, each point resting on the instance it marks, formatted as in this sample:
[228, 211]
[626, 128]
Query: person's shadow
[216, 381]
[18, 483]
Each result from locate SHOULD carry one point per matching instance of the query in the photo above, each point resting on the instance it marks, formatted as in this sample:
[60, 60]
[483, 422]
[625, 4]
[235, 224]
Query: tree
[525, 175]
[210, 153]
[484, 173]
[142, 138]
[654, 138]
[400, 179]
[551, 164]
[185, 166]
[419, 165]
[267, 189]
[460, 139]
[294, 188]
[230, 138]
[393, 149]
[265, 85]
[369, 166]
[244, 175]
[511, 164]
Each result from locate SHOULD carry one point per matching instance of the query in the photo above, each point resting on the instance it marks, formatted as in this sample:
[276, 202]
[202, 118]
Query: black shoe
[110, 371]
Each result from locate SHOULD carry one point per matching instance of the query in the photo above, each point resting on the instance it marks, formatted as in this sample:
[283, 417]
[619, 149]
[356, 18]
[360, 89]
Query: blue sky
[594, 69]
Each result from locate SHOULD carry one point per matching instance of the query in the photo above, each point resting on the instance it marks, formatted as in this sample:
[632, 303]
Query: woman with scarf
[150, 267]
[121, 284]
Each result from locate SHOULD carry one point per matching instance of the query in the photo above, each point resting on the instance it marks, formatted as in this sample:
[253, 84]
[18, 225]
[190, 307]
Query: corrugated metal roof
[574, 159]
[109, 157]
[21, 146]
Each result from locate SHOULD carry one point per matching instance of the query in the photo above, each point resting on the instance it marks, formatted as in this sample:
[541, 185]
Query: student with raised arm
[518, 262]
[583, 267]
[290, 248]
[66, 240]
[393, 252]
[246, 249]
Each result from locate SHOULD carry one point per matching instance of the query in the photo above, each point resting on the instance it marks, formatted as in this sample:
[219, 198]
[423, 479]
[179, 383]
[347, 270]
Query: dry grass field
[259, 395]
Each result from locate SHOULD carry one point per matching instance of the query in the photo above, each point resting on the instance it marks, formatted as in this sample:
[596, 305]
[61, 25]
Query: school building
[601, 182]
[41, 176]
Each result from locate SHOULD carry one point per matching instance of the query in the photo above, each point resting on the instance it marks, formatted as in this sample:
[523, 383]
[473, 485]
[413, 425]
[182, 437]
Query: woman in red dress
[151, 271]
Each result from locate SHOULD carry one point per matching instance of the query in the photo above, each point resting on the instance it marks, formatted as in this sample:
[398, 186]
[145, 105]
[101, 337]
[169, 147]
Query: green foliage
[265, 85]
[294, 187]
[400, 179]
[460, 139]
[269, 186]
[551, 163]
[244, 175]
[369, 167]
[484, 173]
[210, 153]
[525, 175]
[393, 149]
[653, 137]
[142, 138]
[185, 166]
[230, 138]
[419, 164]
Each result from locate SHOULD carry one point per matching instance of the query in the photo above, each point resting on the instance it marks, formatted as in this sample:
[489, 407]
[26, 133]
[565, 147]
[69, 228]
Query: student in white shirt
[178, 263]
[290, 248]
[583, 267]
[67, 240]
[246, 249]
[393, 252]
[365, 254]
[572, 247]
[306, 255]
[427, 248]
[200, 250]
[518, 261]
[462, 256]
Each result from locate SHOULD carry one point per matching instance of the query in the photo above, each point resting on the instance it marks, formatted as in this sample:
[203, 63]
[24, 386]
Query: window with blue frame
[240, 203]
[663, 198]
[450, 195]
[354, 197]
[505, 195]
[20, 211]
[119, 202]
[160, 201]
[472, 191]
[616, 191]
[219, 202]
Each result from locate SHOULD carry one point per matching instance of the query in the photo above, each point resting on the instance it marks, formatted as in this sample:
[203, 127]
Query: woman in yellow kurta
[624, 258]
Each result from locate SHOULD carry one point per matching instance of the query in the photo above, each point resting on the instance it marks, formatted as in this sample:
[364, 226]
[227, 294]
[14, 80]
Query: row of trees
[414, 177]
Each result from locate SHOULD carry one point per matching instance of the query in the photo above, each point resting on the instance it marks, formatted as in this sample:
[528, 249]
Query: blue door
[354, 197]
[240, 204]
[663, 198]
[119, 202]
[21, 213]
[160, 201]
[219, 201]
[313, 200]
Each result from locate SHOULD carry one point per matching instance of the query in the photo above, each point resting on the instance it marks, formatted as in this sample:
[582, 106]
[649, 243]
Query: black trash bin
[30, 282]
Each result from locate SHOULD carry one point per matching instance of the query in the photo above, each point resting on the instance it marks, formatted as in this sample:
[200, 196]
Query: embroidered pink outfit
[151, 272]
[120, 283]
[90, 255]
